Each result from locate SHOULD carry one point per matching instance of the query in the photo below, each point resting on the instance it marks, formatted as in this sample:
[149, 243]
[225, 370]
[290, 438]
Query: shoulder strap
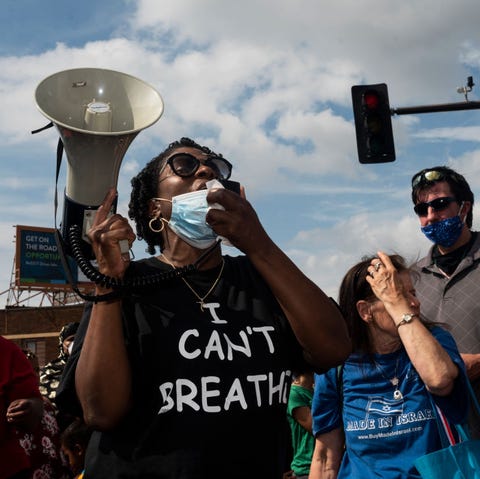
[445, 428]
[446, 434]
[340, 383]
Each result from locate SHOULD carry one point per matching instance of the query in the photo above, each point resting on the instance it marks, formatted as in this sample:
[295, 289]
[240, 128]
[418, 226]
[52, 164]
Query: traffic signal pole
[464, 105]
[375, 144]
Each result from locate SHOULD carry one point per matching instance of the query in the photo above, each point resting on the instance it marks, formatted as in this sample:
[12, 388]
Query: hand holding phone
[231, 185]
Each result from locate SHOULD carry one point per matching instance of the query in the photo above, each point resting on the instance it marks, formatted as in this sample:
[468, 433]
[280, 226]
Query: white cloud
[464, 133]
[267, 83]
[325, 254]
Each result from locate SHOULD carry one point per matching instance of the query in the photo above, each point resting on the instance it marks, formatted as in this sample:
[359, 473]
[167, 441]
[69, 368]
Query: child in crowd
[74, 445]
[299, 416]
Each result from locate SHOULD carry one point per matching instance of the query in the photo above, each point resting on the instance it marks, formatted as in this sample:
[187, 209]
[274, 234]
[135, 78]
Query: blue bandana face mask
[188, 219]
[445, 232]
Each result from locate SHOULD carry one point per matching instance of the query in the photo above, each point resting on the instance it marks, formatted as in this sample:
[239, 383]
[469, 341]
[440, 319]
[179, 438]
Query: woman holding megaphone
[189, 378]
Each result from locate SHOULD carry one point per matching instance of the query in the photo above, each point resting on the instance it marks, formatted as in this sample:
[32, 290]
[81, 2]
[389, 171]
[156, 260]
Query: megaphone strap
[38, 130]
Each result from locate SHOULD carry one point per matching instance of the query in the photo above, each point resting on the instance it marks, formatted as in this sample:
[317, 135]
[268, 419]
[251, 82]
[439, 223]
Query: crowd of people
[33, 431]
[192, 367]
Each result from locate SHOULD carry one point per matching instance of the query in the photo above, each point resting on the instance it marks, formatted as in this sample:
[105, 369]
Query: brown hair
[355, 287]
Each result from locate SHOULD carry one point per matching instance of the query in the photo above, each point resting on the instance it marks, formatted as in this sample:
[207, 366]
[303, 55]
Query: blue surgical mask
[188, 219]
[445, 232]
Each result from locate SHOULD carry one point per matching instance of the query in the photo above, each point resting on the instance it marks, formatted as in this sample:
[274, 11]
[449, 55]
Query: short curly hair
[144, 188]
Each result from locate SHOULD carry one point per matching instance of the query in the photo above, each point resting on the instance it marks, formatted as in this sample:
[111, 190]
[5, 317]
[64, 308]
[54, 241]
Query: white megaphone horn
[98, 113]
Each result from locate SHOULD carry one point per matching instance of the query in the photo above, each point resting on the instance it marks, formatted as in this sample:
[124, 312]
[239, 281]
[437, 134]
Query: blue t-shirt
[384, 435]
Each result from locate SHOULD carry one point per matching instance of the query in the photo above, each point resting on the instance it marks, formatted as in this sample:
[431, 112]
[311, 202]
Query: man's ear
[465, 209]
[364, 311]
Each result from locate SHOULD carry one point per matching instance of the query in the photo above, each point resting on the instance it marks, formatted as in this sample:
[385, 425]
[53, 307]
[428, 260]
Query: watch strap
[407, 318]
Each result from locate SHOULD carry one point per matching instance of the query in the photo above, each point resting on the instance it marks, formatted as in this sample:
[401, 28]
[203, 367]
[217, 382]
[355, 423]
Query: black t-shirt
[210, 387]
[448, 262]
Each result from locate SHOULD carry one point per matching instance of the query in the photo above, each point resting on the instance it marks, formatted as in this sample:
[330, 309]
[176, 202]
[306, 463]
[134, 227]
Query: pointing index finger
[104, 209]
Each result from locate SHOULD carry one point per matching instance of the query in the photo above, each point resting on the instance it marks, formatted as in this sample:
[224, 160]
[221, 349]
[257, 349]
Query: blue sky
[267, 83]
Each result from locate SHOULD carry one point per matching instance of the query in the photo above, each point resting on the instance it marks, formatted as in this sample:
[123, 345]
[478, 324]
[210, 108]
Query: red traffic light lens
[371, 100]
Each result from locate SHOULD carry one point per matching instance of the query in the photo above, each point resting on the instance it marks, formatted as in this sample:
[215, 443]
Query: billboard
[38, 262]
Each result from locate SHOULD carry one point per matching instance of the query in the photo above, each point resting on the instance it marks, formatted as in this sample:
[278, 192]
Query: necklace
[397, 394]
[201, 299]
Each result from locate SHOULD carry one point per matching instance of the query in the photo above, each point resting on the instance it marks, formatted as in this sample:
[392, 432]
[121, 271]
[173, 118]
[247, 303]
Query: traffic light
[373, 123]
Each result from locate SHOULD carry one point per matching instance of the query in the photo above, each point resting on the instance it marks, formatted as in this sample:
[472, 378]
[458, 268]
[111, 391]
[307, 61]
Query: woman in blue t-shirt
[374, 416]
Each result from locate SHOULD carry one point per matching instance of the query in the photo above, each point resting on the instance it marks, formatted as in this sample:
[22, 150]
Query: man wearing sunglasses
[448, 279]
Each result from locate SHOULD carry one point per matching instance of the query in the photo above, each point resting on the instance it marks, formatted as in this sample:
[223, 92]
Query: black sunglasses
[429, 176]
[185, 165]
[438, 204]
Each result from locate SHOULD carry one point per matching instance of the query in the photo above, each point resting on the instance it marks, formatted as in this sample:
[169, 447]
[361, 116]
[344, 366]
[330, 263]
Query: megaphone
[98, 113]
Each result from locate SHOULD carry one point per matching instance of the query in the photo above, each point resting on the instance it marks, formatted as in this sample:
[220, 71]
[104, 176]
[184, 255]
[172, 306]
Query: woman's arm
[327, 455]
[25, 414]
[429, 358]
[472, 363]
[103, 375]
[303, 415]
[315, 319]
[432, 362]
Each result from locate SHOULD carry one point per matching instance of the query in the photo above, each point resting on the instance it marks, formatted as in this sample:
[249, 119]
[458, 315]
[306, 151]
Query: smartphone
[231, 185]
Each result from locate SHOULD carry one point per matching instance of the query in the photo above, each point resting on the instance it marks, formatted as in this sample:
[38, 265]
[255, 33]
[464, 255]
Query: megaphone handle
[124, 246]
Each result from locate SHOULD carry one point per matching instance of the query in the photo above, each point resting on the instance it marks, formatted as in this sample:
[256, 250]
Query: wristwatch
[407, 318]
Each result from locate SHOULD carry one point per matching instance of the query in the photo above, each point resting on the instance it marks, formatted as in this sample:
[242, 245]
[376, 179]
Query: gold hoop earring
[159, 230]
